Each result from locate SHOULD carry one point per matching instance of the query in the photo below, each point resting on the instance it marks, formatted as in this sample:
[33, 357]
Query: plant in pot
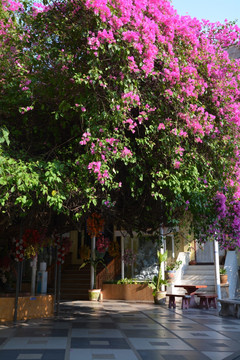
[158, 281]
[171, 270]
[94, 258]
[223, 275]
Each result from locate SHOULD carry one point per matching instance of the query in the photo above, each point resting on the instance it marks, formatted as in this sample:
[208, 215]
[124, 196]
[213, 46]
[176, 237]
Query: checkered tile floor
[123, 331]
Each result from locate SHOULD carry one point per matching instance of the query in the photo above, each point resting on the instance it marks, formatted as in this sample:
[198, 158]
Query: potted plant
[223, 275]
[94, 258]
[158, 281]
[171, 270]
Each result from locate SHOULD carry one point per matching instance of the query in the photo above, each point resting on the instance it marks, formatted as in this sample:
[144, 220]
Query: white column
[217, 274]
[173, 250]
[163, 248]
[231, 265]
[93, 256]
[132, 267]
[33, 278]
[122, 254]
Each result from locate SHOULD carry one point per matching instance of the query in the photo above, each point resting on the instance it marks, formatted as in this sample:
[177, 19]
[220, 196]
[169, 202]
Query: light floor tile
[199, 335]
[36, 343]
[224, 327]
[216, 355]
[104, 333]
[200, 316]
[29, 357]
[159, 344]
[77, 354]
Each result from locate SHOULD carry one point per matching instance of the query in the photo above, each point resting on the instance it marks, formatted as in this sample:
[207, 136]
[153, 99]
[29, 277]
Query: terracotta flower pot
[223, 278]
[192, 262]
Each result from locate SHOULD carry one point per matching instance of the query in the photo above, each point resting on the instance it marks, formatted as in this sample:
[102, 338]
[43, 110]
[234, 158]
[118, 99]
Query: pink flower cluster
[102, 244]
[95, 167]
[129, 257]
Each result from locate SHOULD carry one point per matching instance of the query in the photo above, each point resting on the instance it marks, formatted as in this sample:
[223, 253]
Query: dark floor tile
[149, 333]
[235, 356]
[131, 320]
[41, 332]
[99, 343]
[46, 354]
[2, 339]
[93, 325]
[171, 355]
[185, 327]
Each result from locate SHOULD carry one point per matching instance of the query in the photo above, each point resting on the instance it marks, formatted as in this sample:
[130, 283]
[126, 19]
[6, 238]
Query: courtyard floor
[118, 330]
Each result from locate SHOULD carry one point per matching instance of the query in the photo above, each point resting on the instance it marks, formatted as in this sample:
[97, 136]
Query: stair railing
[109, 272]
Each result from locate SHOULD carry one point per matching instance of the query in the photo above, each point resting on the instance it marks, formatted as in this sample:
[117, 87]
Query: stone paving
[118, 330]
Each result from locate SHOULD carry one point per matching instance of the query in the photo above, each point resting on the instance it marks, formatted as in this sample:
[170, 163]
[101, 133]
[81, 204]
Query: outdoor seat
[185, 300]
[207, 300]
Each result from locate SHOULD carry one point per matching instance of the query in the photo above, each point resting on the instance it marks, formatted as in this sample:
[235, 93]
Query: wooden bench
[230, 307]
[185, 300]
[207, 300]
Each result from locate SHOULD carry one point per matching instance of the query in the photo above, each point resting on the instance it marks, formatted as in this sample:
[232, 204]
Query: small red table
[191, 290]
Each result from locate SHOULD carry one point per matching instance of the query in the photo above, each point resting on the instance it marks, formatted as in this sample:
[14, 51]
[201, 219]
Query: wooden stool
[185, 300]
[207, 300]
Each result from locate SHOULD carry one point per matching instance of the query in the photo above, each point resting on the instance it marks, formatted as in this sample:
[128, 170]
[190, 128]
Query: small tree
[140, 105]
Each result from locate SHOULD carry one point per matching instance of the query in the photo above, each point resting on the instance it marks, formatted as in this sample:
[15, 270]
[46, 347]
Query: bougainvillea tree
[122, 106]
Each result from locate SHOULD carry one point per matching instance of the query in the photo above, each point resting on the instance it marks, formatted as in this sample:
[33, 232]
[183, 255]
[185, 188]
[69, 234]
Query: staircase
[202, 275]
[75, 283]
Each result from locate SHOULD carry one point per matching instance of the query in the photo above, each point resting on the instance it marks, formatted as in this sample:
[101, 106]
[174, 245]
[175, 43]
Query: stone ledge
[230, 307]
[29, 307]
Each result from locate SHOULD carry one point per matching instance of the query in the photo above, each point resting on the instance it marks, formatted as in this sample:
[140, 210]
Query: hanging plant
[31, 243]
[30, 252]
[63, 247]
[31, 237]
[19, 250]
[102, 244]
[95, 224]
[85, 253]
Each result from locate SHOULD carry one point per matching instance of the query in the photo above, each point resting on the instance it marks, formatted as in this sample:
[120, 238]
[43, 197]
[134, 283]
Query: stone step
[200, 274]
[194, 279]
[203, 271]
[202, 266]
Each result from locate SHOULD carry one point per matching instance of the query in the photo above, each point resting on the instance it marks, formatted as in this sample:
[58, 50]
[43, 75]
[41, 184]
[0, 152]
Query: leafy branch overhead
[122, 107]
